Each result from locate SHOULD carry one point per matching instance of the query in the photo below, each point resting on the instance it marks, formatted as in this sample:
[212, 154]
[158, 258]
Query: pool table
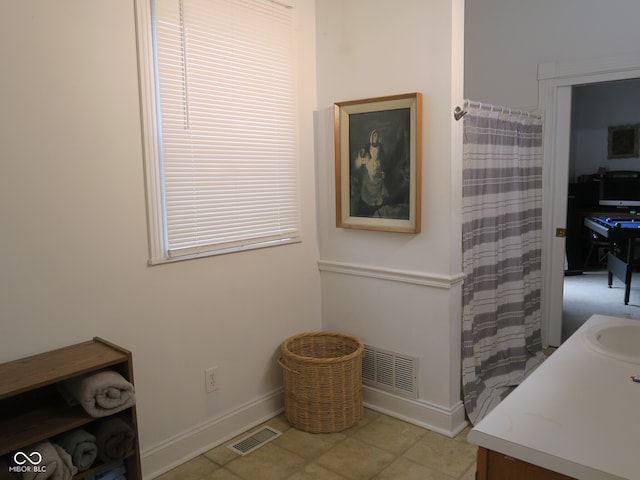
[623, 232]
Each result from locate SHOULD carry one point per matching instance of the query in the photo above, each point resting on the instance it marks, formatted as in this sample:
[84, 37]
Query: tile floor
[379, 447]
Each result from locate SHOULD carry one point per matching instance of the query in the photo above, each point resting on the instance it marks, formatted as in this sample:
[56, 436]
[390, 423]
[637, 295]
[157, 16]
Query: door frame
[555, 82]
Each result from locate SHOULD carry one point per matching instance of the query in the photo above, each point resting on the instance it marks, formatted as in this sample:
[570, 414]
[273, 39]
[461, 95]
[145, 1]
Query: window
[218, 101]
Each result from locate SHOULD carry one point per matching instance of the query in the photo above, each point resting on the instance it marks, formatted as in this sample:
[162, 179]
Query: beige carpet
[589, 293]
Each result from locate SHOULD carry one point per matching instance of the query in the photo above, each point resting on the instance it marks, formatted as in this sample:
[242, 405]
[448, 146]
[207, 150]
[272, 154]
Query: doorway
[595, 107]
[555, 83]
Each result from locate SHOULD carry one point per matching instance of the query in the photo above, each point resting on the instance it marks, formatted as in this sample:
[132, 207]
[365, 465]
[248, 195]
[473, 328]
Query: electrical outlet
[211, 379]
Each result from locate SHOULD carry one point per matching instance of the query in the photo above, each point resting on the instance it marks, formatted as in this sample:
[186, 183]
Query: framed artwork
[623, 142]
[378, 163]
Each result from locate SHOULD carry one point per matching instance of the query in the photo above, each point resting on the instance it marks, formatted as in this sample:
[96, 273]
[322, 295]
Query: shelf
[40, 370]
[32, 410]
[45, 421]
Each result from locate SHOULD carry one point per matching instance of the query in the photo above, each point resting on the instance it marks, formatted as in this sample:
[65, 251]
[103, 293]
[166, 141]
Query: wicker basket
[322, 381]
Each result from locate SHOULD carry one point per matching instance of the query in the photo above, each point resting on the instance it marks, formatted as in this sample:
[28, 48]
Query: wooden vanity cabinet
[497, 466]
[32, 410]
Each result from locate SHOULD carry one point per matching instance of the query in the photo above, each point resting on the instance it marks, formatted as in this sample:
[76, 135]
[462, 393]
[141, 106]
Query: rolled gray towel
[56, 464]
[81, 445]
[67, 470]
[5, 473]
[100, 393]
[115, 438]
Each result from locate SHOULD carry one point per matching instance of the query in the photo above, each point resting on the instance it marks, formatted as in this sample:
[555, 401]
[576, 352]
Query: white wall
[398, 291]
[73, 248]
[594, 109]
[505, 40]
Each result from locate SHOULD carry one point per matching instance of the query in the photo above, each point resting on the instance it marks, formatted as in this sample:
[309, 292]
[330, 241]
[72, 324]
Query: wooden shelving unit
[32, 410]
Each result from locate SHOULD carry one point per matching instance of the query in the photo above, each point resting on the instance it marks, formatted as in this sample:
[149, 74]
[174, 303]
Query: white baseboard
[447, 421]
[184, 446]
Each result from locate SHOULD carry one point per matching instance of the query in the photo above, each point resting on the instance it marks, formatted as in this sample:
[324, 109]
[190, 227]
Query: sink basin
[621, 341]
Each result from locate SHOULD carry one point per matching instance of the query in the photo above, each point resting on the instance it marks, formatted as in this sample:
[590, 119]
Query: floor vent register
[256, 440]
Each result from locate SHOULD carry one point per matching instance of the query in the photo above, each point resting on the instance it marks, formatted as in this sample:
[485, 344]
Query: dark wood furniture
[32, 410]
[622, 234]
[497, 466]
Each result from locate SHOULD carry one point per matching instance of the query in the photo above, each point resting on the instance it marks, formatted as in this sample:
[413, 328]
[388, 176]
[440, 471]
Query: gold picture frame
[378, 168]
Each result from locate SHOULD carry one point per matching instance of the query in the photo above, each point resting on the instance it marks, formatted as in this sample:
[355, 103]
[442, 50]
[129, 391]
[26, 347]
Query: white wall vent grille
[391, 371]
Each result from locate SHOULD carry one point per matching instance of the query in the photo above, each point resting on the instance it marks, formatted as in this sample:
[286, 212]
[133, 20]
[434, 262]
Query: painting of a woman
[379, 178]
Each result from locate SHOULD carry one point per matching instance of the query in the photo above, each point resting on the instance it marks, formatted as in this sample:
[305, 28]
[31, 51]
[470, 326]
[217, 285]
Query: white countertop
[577, 414]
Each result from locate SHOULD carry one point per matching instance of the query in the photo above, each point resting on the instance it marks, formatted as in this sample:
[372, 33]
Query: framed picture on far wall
[378, 163]
[623, 142]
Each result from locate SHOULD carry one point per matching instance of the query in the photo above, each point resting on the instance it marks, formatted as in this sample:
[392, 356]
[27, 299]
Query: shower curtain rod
[458, 113]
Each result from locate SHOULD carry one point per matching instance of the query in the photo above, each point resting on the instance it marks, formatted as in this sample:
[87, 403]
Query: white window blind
[226, 124]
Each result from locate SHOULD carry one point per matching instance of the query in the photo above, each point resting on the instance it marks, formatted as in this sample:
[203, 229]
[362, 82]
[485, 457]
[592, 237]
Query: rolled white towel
[100, 393]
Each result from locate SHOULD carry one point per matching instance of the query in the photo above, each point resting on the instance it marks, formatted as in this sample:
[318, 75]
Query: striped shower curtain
[501, 237]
